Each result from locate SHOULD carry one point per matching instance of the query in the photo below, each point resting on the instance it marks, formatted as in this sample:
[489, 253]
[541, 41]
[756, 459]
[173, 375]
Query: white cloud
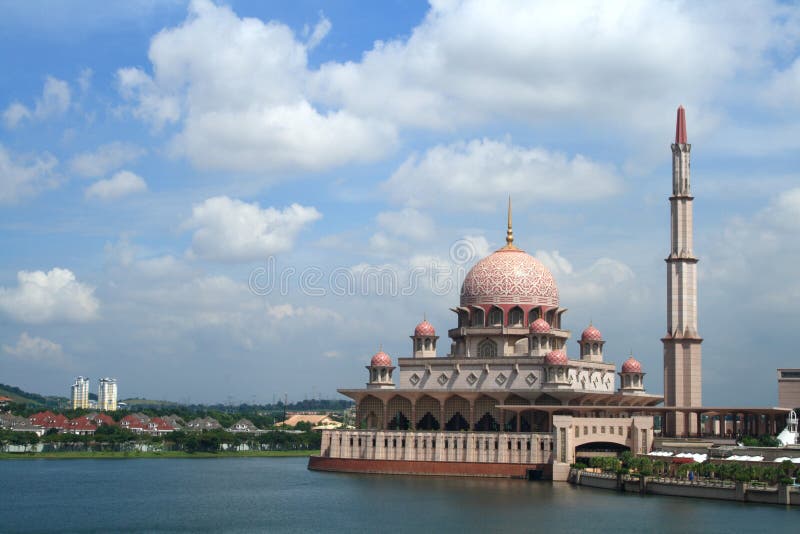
[236, 85]
[85, 79]
[45, 297]
[55, 100]
[36, 349]
[24, 176]
[755, 258]
[231, 230]
[540, 61]
[15, 113]
[407, 222]
[280, 312]
[121, 184]
[480, 174]
[321, 29]
[105, 158]
[587, 288]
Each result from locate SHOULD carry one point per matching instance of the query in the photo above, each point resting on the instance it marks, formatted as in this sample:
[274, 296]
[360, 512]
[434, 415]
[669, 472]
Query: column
[472, 414]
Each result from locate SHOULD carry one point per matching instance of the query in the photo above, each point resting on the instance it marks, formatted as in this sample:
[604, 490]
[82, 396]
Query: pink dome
[540, 326]
[556, 357]
[424, 329]
[631, 365]
[381, 359]
[509, 276]
[591, 334]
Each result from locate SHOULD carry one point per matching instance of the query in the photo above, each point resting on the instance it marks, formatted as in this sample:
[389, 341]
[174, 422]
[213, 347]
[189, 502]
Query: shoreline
[133, 455]
[744, 492]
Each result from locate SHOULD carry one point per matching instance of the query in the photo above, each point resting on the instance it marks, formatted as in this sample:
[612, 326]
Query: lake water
[281, 495]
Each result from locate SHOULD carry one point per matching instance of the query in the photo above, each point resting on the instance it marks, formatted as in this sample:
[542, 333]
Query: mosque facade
[509, 395]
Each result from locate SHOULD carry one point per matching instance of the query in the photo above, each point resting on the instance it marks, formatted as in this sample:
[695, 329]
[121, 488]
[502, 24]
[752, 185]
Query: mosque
[510, 399]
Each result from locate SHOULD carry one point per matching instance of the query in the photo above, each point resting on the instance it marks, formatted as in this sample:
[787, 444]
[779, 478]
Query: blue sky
[154, 155]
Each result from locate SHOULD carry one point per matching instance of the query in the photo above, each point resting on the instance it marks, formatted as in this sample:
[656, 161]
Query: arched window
[487, 349]
[477, 317]
[495, 317]
[463, 319]
[515, 317]
[535, 342]
[419, 344]
[627, 381]
[427, 343]
[594, 348]
[534, 314]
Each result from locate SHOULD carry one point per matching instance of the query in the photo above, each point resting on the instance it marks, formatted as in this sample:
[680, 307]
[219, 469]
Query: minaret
[682, 358]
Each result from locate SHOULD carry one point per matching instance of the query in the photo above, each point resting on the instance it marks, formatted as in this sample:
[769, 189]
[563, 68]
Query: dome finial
[510, 231]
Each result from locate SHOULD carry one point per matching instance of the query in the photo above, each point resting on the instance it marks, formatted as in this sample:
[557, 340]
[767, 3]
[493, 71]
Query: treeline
[113, 438]
[628, 463]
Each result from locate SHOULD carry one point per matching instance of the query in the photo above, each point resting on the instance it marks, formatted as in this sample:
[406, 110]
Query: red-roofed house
[133, 423]
[48, 420]
[101, 419]
[80, 426]
[159, 427]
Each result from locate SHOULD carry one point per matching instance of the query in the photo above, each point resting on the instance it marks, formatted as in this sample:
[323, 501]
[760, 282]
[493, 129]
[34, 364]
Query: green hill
[31, 399]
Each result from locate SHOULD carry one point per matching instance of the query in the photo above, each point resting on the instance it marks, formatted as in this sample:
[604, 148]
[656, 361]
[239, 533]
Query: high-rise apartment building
[107, 394]
[80, 393]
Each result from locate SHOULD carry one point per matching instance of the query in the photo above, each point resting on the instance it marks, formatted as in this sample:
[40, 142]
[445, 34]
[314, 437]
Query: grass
[73, 455]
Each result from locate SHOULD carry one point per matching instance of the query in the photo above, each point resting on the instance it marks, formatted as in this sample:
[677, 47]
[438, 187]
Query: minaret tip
[680, 127]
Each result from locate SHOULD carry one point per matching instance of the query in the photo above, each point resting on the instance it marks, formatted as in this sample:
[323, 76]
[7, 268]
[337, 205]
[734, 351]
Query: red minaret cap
[680, 127]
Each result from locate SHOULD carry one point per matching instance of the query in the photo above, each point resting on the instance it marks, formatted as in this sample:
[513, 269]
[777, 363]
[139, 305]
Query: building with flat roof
[107, 394]
[79, 393]
[789, 388]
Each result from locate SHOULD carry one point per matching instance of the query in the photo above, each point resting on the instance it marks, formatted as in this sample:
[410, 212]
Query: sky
[229, 202]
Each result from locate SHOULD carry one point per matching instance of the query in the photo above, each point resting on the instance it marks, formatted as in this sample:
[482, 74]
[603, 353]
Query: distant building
[244, 425]
[789, 388]
[80, 393]
[314, 420]
[107, 394]
[203, 423]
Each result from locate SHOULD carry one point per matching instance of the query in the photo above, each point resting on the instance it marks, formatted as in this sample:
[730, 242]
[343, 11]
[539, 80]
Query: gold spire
[510, 231]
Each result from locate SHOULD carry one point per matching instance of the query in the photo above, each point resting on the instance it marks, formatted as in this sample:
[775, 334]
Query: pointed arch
[487, 349]
[516, 316]
[456, 413]
[370, 413]
[477, 318]
[495, 316]
[427, 413]
[398, 412]
[486, 414]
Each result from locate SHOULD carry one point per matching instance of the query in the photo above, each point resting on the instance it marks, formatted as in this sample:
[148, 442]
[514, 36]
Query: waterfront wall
[421, 446]
[437, 468]
[726, 491]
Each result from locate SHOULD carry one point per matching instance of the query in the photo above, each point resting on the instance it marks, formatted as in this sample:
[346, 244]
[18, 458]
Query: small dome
[540, 326]
[591, 334]
[631, 365]
[556, 357]
[381, 359]
[424, 329]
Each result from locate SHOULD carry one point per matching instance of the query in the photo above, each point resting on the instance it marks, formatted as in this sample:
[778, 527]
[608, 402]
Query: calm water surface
[280, 495]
